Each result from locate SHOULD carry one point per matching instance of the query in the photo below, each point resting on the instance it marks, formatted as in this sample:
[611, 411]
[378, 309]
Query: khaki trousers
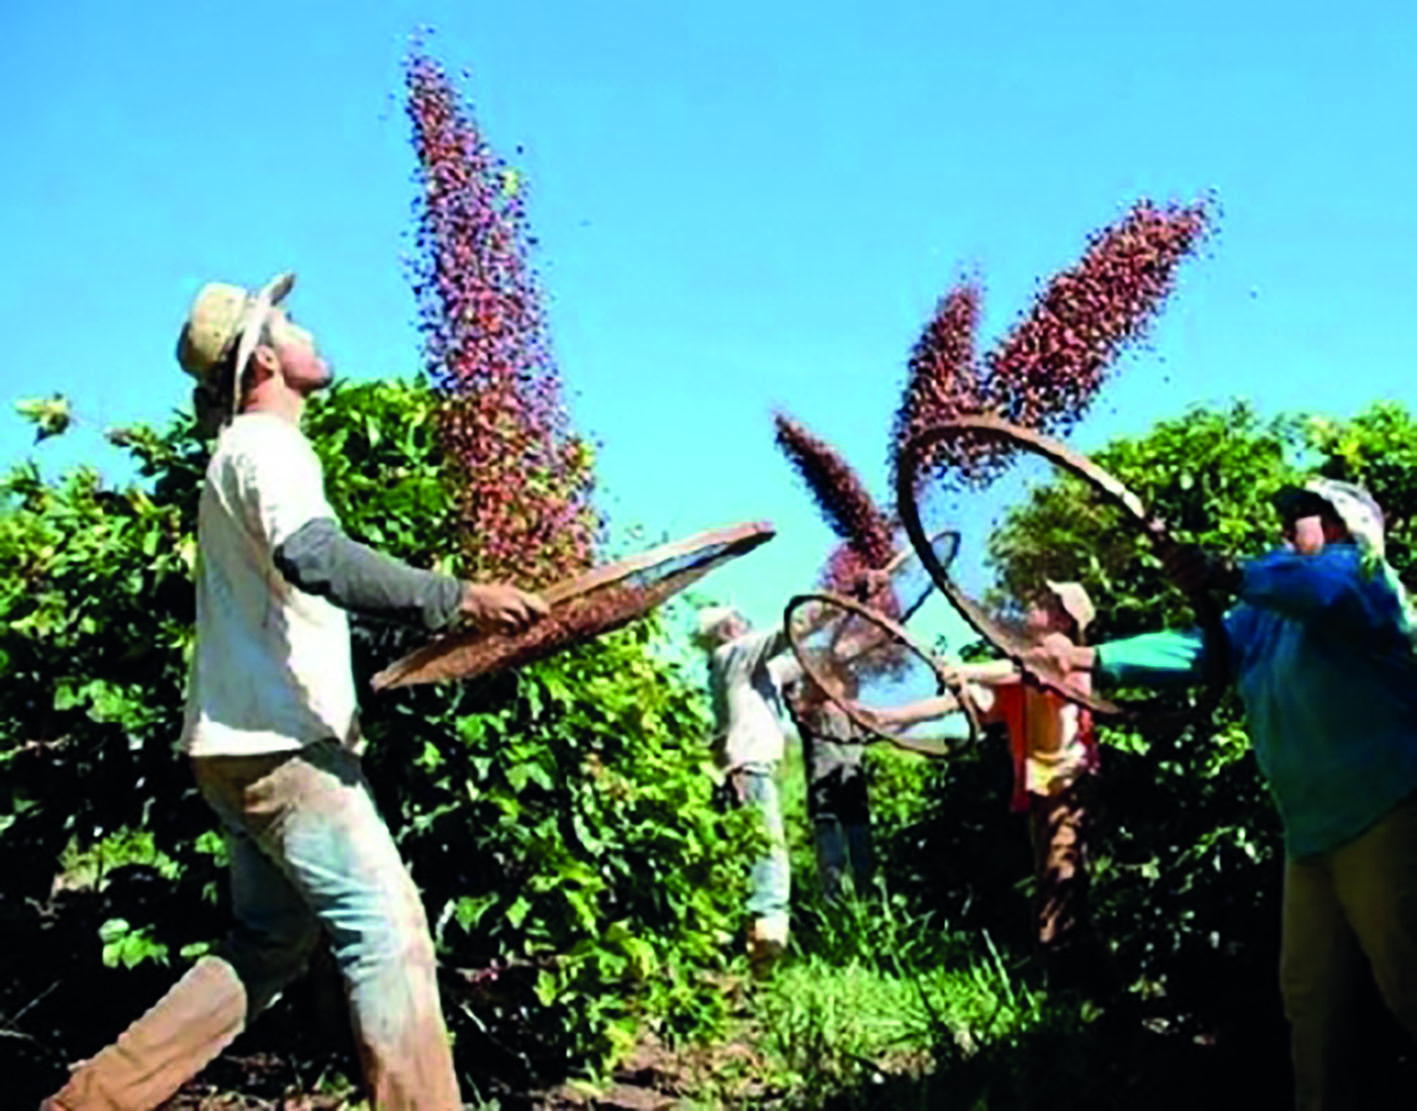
[309, 852]
[1058, 830]
[1345, 913]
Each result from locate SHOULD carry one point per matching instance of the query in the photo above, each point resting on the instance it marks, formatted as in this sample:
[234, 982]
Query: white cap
[1075, 602]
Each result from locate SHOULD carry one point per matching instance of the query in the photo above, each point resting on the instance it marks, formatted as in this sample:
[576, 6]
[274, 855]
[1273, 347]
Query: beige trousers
[1057, 827]
[1345, 913]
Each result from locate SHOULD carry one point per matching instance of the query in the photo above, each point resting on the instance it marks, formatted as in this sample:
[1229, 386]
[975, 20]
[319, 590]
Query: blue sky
[739, 206]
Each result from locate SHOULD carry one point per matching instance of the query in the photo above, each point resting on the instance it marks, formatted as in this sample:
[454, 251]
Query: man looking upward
[272, 733]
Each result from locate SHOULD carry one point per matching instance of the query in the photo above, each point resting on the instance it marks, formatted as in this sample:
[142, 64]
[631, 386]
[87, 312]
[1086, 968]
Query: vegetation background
[559, 821]
[583, 888]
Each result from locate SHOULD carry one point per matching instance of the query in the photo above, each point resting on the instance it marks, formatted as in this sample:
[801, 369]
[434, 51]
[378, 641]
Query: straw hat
[225, 321]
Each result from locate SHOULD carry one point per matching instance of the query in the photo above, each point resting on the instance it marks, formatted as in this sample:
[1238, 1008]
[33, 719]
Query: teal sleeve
[1153, 659]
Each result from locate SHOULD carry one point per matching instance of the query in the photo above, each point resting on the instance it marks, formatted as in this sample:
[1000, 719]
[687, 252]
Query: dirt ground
[654, 1079]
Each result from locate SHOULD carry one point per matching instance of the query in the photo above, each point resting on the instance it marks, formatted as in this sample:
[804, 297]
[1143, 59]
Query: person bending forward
[1321, 650]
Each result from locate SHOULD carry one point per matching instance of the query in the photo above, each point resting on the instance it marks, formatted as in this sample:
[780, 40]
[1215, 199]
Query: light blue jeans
[309, 852]
[770, 880]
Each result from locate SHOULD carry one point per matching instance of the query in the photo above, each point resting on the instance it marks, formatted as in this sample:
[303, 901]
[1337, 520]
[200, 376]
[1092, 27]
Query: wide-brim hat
[709, 619]
[1357, 509]
[223, 327]
[1075, 602]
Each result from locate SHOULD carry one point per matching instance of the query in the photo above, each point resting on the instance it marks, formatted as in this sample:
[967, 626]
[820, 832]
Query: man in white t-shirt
[271, 730]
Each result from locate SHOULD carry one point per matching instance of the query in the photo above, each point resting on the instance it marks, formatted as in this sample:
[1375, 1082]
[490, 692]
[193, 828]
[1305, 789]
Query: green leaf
[517, 912]
[50, 415]
[468, 910]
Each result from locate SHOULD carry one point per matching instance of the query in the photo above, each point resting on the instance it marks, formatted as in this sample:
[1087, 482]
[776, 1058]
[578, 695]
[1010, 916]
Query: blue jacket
[1320, 652]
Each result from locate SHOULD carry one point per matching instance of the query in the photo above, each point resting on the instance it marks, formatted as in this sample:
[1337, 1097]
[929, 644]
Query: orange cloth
[1052, 740]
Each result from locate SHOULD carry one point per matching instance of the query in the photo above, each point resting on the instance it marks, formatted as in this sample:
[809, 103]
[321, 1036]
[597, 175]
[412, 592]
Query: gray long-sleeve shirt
[320, 559]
